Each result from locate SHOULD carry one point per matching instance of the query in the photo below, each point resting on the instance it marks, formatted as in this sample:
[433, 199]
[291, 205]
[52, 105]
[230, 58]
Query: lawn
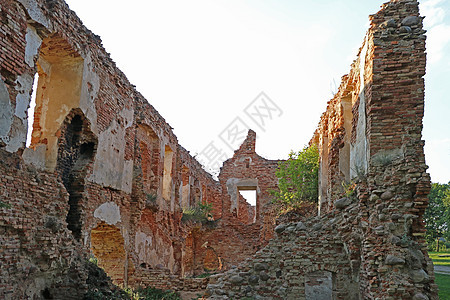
[440, 261]
[443, 281]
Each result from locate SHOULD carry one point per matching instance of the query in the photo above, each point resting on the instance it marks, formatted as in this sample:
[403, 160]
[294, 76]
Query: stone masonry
[105, 177]
[367, 241]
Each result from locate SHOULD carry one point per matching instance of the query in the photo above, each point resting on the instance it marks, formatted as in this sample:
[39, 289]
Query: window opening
[31, 108]
[249, 195]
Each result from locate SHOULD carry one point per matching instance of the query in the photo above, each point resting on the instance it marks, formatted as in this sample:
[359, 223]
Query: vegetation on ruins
[151, 197]
[151, 203]
[100, 287]
[349, 189]
[298, 179]
[205, 275]
[4, 205]
[199, 213]
[437, 216]
[151, 293]
[148, 293]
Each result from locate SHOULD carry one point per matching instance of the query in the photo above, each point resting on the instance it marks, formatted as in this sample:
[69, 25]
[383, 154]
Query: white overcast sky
[201, 62]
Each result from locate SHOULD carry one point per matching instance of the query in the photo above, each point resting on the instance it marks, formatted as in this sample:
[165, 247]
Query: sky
[213, 68]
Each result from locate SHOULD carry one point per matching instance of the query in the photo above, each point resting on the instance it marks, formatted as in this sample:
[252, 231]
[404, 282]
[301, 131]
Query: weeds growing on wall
[151, 201]
[93, 260]
[151, 293]
[298, 179]
[349, 189]
[4, 205]
[199, 213]
[151, 197]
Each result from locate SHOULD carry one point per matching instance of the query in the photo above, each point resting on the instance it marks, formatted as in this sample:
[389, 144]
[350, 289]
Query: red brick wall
[34, 235]
[380, 224]
[123, 186]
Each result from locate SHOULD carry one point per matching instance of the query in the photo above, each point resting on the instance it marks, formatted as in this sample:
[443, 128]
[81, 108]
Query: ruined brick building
[104, 176]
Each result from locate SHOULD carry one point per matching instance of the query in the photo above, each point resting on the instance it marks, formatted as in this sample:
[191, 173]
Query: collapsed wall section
[243, 228]
[290, 265]
[246, 170]
[125, 178]
[116, 177]
[373, 183]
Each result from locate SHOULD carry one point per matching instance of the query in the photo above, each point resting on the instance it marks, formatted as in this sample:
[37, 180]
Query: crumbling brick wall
[133, 178]
[279, 270]
[123, 177]
[38, 256]
[246, 170]
[373, 183]
[240, 233]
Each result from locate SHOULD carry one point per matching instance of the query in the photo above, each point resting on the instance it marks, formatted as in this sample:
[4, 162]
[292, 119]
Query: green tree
[437, 214]
[298, 179]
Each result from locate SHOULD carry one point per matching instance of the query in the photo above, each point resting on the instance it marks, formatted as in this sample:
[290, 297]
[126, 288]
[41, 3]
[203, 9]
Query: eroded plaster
[232, 188]
[108, 212]
[5, 113]
[153, 250]
[33, 43]
[359, 150]
[35, 12]
[18, 133]
[110, 167]
[89, 90]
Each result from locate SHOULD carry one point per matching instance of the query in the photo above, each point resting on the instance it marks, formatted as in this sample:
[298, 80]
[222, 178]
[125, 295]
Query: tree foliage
[298, 179]
[437, 214]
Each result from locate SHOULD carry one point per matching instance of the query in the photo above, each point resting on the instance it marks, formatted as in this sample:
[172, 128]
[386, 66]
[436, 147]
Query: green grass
[443, 281]
[440, 261]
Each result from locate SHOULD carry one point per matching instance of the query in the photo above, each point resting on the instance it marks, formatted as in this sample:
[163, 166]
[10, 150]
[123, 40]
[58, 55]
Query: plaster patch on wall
[35, 12]
[5, 113]
[18, 133]
[35, 157]
[108, 212]
[110, 167]
[89, 89]
[127, 175]
[232, 189]
[33, 43]
[24, 85]
[142, 243]
[359, 150]
[318, 285]
[154, 250]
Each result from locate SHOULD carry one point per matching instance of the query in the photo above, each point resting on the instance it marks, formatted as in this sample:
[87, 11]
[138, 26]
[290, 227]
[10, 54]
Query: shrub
[298, 179]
